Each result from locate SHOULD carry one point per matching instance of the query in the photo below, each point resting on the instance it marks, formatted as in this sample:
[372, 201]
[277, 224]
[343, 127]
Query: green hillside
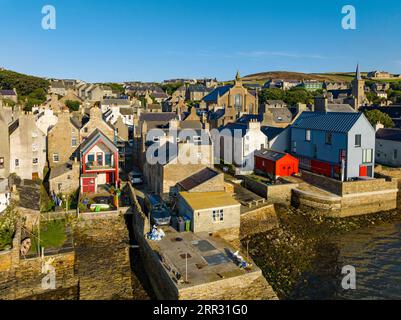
[31, 90]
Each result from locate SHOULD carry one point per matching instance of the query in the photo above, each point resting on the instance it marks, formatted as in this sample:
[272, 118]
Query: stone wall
[258, 220]
[351, 205]
[103, 263]
[368, 186]
[325, 183]
[275, 192]
[226, 289]
[28, 276]
[247, 286]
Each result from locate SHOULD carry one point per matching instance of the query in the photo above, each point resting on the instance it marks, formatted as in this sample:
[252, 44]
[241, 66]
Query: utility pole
[186, 267]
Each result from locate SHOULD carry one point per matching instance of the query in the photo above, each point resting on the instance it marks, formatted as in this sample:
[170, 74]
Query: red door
[88, 185]
[363, 171]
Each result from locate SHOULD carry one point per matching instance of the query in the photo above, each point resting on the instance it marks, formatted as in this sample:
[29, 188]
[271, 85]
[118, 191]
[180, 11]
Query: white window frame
[365, 155]
[218, 215]
[308, 135]
[56, 155]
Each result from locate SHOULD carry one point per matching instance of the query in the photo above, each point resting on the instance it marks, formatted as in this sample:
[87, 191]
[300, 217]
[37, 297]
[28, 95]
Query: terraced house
[334, 144]
[99, 162]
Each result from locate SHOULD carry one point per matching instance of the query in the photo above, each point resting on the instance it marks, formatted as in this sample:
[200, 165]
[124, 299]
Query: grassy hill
[264, 76]
[31, 90]
[24, 84]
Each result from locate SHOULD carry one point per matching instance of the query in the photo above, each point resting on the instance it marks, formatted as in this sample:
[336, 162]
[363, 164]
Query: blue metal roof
[327, 121]
[219, 91]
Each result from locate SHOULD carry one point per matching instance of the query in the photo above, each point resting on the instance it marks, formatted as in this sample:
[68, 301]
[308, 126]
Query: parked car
[135, 177]
[159, 212]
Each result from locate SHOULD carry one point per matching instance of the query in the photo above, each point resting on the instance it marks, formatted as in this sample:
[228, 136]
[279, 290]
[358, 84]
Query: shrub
[8, 221]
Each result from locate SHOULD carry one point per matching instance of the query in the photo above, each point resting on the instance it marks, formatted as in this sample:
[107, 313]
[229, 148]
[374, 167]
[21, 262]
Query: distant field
[264, 76]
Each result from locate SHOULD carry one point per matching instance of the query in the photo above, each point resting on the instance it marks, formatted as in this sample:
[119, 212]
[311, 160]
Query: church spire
[357, 73]
[237, 76]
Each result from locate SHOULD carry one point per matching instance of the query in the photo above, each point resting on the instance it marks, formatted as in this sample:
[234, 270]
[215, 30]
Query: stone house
[196, 92]
[70, 96]
[96, 121]
[122, 130]
[221, 116]
[236, 96]
[9, 94]
[64, 178]
[205, 180]
[335, 85]
[4, 147]
[63, 140]
[380, 86]
[379, 75]
[27, 148]
[174, 158]
[57, 87]
[210, 211]
[148, 121]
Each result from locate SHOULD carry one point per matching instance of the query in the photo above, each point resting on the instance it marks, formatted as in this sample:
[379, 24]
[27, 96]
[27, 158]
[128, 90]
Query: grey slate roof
[389, 134]
[281, 114]
[270, 154]
[60, 170]
[340, 107]
[327, 121]
[158, 116]
[234, 127]
[214, 115]
[7, 93]
[198, 178]
[271, 132]
[219, 91]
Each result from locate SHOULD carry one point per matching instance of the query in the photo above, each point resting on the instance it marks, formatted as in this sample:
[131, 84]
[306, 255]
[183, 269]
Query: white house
[46, 120]
[388, 147]
[236, 143]
[5, 195]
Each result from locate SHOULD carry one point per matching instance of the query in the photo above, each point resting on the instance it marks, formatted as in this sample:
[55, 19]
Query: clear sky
[153, 40]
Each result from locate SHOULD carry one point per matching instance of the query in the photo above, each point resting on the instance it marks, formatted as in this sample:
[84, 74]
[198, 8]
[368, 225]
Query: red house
[275, 164]
[99, 162]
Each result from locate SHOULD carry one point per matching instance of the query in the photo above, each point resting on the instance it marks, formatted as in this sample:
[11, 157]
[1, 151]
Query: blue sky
[152, 40]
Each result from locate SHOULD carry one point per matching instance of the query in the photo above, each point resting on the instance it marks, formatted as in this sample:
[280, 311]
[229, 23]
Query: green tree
[115, 87]
[374, 98]
[72, 105]
[170, 88]
[376, 116]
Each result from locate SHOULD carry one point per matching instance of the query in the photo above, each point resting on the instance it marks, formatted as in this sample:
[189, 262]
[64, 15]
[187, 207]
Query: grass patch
[52, 235]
